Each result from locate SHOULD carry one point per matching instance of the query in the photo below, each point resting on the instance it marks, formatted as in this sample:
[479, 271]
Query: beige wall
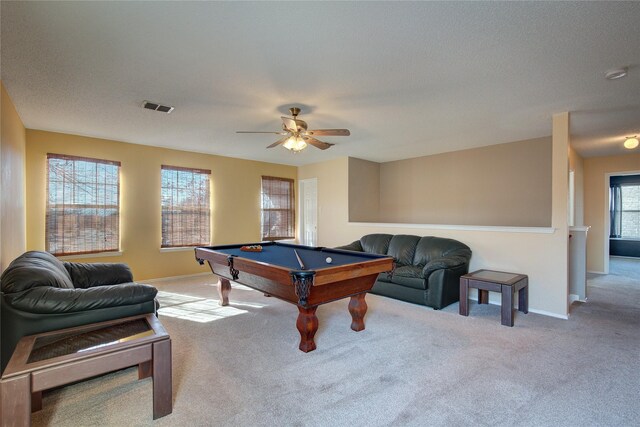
[500, 185]
[364, 190]
[235, 194]
[576, 164]
[12, 183]
[540, 254]
[333, 199]
[596, 201]
[559, 245]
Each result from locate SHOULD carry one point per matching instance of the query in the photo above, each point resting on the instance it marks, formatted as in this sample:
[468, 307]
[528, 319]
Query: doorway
[622, 216]
[309, 211]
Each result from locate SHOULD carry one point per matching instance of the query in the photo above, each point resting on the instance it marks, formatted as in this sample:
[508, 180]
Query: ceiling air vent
[157, 107]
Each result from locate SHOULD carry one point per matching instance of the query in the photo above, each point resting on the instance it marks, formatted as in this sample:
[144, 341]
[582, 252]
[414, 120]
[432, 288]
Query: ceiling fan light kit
[631, 142]
[297, 137]
[295, 144]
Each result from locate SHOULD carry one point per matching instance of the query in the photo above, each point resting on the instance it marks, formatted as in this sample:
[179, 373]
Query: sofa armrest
[98, 274]
[444, 286]
[450, 262]
[49, 300]
[353, 246]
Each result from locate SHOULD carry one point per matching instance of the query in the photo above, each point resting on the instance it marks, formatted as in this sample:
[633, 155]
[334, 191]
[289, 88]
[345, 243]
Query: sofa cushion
[33, 269]
[408, 271]
[403, 293]
[376, 243]
[410, 276]
[407, 275]
[402, 248]
[410, 282]
[430, 248]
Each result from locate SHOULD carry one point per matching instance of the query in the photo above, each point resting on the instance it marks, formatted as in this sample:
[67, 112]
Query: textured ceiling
[408, 79]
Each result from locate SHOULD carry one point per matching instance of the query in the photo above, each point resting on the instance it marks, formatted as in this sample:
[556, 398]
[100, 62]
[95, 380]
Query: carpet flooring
[412, 366]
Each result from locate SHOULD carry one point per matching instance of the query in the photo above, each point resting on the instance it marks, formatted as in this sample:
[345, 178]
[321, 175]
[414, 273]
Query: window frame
[49, 207]
[291, 211]
[623, 211]
[199, 171]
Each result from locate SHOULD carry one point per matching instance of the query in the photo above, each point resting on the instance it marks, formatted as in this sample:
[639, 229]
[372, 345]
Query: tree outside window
[83, 205]
[278, 212]
[186, 211]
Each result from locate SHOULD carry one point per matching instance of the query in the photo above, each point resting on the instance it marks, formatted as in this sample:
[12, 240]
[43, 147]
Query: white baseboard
[596, 272]
[548, 313]
[533, 310]
[573, 298]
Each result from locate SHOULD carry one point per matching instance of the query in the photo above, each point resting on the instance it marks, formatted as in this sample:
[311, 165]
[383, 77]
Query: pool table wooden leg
[358, 308]
[223, 291]
[307, 325]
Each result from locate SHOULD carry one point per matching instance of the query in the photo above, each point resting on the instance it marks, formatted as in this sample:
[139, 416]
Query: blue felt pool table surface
[283, 255]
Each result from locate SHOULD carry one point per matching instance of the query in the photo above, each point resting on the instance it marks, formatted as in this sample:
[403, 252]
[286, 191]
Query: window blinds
[278, 212]
[186, 213]
[83, 205]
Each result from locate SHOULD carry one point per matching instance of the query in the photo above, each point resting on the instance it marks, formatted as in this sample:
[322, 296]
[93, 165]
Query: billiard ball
[328, 260]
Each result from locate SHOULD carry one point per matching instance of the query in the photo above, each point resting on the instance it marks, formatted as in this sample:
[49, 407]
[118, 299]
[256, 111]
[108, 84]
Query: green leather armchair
[39, 293]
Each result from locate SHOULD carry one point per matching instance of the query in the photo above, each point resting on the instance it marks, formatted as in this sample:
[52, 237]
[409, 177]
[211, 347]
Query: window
[630, 214]
[83, 205]
[186, 209]
[625, 206]
[278, 212]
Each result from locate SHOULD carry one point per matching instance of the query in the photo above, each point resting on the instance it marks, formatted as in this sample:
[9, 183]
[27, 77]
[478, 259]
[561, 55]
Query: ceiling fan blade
[251, 131]
[279, 142]
[290, 124]
[317, 143]
[329, 132]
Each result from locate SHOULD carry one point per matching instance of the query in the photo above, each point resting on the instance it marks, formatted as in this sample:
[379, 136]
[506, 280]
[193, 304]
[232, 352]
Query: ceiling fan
[297, 136]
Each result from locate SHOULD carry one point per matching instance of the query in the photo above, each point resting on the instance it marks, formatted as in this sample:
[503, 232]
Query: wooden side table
[496, 281]
[55, 358]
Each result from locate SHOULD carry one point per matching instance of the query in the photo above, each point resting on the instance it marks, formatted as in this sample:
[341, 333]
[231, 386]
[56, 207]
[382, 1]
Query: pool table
[277, 271]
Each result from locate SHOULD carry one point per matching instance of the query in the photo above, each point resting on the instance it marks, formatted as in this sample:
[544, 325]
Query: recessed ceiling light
[631, 142]
[617, 73]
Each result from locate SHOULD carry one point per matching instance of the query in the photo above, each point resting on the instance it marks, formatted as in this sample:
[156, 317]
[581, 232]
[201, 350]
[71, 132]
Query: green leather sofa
[40, 293]
[427, 269]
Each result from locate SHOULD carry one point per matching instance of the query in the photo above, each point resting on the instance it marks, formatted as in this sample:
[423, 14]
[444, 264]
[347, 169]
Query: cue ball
[328, 260]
